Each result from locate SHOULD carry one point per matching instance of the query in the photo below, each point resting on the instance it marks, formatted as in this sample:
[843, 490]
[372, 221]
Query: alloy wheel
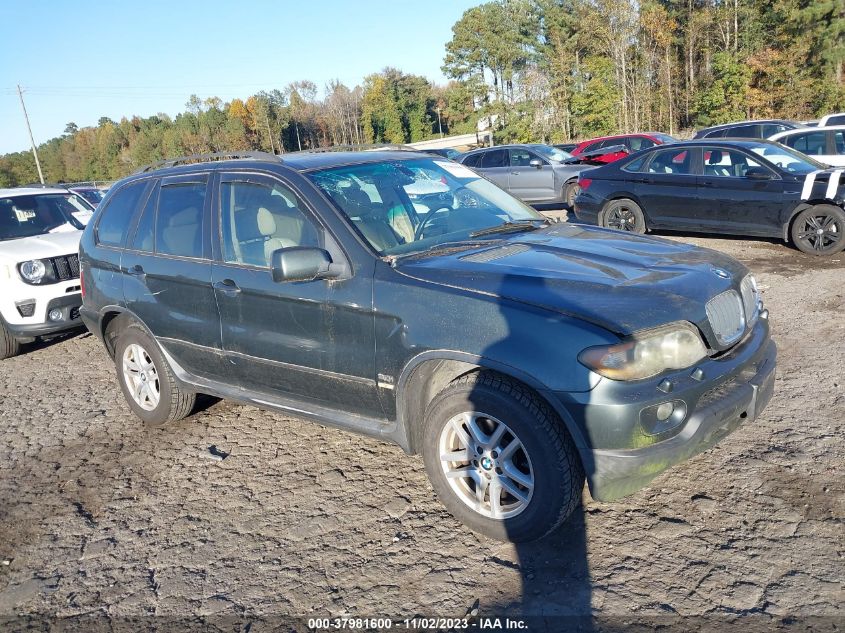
[141, 377]
[486, 465]
[621, 219]
[820, 231]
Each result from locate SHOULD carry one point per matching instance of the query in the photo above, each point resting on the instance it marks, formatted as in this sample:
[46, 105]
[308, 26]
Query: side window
[258, 218]
[838, 119]
[495, 158]
[671, 161]
[727, 163]
[523, 158]
[472, 160]
[636, 165]
[839, 141]
[744, 131]
[715, 134]
[640, 142]
[144, 239]
[179, 220]
[116, 217]
[773, 128]
[811, 143]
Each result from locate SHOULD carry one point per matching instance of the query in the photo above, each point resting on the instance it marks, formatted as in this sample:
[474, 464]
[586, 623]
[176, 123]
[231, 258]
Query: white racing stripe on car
[809, 181]
[833, 185]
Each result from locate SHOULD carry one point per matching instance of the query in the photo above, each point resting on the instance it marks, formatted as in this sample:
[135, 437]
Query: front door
[167, 274]
[528, 182]
[311, 341]
[732, 202]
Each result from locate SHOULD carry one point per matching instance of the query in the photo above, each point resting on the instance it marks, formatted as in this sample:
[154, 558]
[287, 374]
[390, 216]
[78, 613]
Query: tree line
[533, 70]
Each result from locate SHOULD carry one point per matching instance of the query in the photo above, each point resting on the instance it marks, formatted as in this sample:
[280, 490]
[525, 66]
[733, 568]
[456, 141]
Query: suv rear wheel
[146, 380]
[499, 458]
[9, 345]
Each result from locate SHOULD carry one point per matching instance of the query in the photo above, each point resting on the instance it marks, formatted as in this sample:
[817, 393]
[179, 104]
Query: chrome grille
[725, 313]
[750, 299]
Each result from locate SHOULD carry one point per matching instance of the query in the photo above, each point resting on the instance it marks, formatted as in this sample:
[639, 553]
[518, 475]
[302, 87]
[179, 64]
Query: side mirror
[536, 163]
[758, 173]
[300, 263]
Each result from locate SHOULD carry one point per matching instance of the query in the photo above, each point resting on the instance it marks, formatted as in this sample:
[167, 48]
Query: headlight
[647, 354]
[33, 271]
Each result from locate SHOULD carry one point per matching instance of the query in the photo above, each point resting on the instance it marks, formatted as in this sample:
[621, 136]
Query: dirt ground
[99, 515]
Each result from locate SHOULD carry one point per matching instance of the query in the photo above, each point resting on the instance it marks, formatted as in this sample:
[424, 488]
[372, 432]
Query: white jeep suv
[39, 264]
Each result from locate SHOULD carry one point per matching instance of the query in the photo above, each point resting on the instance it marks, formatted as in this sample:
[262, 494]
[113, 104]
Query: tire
[819, 230]
[550, 477]
[147, 382]
[623, 215]
[570, 190]
[9, 345]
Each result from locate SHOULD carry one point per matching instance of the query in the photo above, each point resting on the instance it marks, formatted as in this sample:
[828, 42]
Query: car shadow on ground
[48, 341]
[555, 588]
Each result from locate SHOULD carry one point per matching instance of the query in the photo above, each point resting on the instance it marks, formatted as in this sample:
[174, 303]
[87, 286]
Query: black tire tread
[548, 421]
[9, 345]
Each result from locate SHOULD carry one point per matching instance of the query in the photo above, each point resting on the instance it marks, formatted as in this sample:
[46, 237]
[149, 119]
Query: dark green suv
[401, 296]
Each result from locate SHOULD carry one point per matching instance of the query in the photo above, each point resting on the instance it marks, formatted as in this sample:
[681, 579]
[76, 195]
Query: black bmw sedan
[739, 187]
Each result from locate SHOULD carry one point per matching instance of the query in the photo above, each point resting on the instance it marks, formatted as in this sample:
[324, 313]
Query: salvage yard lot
[99, 514]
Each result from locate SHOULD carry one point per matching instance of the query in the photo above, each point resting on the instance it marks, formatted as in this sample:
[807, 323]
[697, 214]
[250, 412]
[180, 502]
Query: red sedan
[630, 143]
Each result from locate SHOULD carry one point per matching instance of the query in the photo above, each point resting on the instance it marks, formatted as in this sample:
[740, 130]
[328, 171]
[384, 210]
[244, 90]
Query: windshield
[405, 207]
[788, 159]
[25, 216]
[552, 153]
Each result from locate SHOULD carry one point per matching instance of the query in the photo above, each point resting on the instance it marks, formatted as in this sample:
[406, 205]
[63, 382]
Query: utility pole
[439, 124]
[31, 140]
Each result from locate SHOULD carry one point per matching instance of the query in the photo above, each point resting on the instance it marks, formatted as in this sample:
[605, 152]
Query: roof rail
[207, 158]
[364, 147]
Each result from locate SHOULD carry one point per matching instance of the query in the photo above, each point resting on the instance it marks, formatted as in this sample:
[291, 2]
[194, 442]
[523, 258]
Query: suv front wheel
[499, 458]
[9, 345]
[146, 380]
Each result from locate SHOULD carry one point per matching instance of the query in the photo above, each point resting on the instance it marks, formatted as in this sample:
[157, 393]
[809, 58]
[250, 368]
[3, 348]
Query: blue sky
[80, 60]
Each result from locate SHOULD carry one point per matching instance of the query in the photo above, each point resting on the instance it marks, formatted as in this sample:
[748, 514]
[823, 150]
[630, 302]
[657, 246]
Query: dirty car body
[405, 306]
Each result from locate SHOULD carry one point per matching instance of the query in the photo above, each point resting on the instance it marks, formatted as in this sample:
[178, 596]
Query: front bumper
[68, 305]
[623, 458]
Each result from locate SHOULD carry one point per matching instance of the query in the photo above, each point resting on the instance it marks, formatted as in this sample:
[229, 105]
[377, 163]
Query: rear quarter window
[637, 165]
[116, 217]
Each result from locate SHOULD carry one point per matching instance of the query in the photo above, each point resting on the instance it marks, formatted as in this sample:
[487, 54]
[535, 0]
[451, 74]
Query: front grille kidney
[726, 316]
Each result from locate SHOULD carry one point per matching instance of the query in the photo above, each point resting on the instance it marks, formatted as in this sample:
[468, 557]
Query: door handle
[514, 173]
[137, 271]
[227, 287]
[707, 183]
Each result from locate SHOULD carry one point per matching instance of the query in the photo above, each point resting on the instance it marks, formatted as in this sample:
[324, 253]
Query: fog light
[55, 315]
[664, 411]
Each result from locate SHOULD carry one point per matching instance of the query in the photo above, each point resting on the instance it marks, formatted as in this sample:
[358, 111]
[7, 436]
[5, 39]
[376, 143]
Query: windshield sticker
[833, 185]
[456, 169]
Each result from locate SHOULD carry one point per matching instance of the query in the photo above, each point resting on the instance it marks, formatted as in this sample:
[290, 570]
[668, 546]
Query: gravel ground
[100, 515]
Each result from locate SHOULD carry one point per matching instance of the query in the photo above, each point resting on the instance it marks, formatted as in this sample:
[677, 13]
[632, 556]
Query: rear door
[167, 273]
[667, 188]
[527, 182]
[310, 341]
[731, 202]
[495, 165]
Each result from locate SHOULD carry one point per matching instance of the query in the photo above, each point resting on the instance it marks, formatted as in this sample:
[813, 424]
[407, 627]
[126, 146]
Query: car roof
[750, 122]
[801, 130]
[29, 191]
[627, 135]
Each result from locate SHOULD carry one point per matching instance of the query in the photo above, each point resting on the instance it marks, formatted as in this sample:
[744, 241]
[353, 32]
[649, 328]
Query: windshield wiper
[512, 226]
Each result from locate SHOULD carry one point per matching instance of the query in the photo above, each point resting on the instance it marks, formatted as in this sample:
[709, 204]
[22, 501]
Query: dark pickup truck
[517, 356]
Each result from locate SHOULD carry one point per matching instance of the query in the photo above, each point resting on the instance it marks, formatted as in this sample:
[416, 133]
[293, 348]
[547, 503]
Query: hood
[619, 281]
[40, 246]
